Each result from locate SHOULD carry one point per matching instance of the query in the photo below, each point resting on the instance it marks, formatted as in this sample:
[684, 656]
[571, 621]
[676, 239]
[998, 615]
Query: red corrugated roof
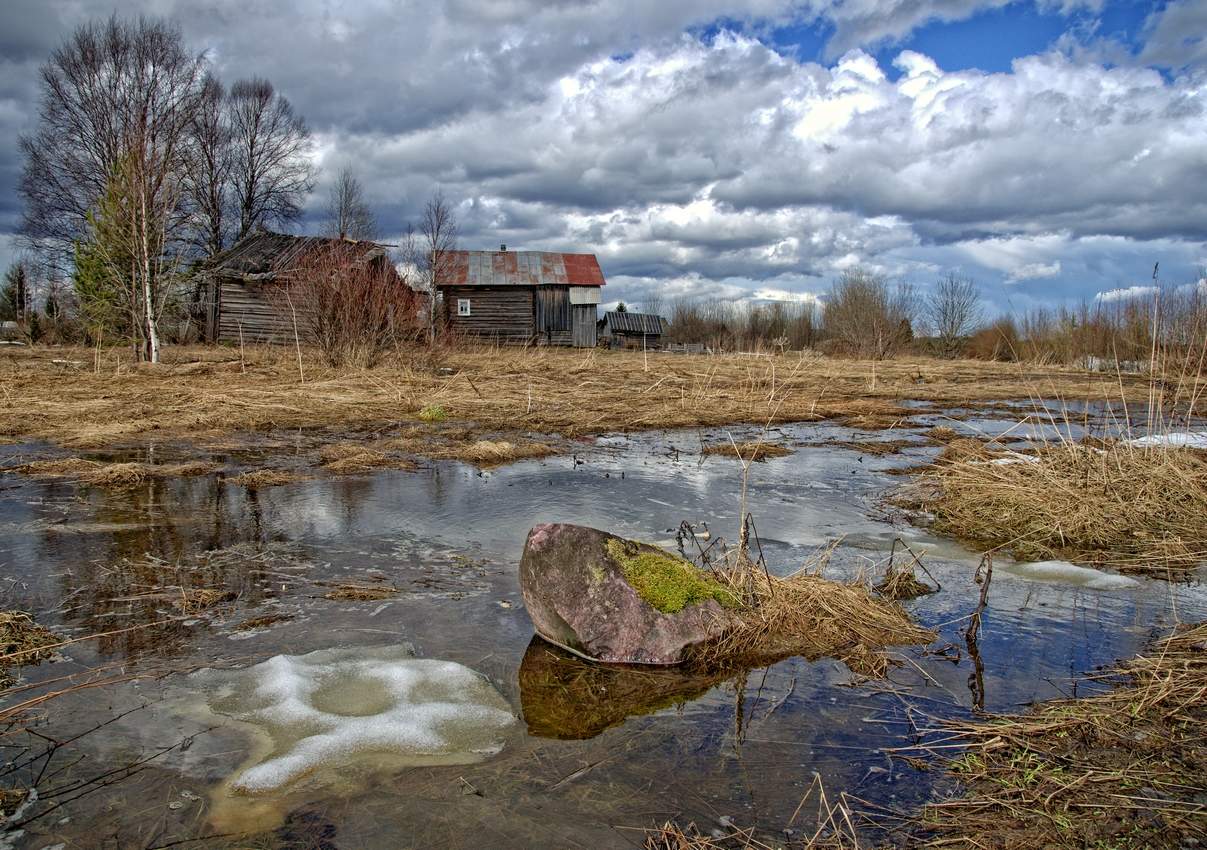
[522, 268]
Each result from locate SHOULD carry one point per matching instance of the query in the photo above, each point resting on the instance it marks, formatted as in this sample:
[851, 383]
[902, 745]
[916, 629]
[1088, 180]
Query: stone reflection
[565, 697]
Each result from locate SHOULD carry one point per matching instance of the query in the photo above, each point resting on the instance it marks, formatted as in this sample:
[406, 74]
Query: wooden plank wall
[247, 309]
[500, 313]
[584, 331]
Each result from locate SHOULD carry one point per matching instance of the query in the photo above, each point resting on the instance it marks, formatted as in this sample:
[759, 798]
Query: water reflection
[565, 697]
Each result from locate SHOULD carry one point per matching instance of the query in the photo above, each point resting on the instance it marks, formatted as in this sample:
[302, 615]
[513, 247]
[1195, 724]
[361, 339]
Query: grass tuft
[1110, 504]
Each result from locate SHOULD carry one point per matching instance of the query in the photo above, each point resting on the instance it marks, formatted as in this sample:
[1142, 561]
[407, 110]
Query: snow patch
[331, 708]
[1174, 439]
[1065, 573]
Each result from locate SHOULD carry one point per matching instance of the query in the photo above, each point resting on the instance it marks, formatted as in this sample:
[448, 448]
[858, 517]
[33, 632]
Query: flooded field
[393, 568]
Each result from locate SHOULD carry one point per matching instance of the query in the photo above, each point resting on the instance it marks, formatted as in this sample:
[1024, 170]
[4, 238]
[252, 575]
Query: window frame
[464, 307]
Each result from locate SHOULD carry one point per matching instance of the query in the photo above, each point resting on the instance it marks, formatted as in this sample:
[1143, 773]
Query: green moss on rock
[669, 584]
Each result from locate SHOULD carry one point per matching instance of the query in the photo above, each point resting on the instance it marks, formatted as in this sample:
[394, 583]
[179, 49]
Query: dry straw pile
[807, 614]
[1111, 504]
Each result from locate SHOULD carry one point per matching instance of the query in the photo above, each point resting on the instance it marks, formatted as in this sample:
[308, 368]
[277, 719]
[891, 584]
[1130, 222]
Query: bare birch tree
[114, 89]
[348, 213]
[271, 173]
[438, 234]
[953, 309]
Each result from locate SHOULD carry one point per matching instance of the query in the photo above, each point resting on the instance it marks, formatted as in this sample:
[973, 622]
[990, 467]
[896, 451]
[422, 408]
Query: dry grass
[115, 475]
[750, 451]
[362, 592]
[1111, 504]
[807, 614]
[262, 622]
[204, 392]
[352, 459]
[22, 641]
[259, 478]
[1123, 769]
[197, 599]
[834, 829]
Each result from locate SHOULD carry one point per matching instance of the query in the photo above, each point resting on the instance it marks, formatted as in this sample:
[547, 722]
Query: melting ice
[327, 709]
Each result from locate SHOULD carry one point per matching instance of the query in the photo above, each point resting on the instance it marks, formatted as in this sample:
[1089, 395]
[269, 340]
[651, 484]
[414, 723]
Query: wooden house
[240, 283]
[632, 330]
[523, 297]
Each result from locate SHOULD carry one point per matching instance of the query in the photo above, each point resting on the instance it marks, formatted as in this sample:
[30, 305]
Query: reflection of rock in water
[566, 697]
[332, 707]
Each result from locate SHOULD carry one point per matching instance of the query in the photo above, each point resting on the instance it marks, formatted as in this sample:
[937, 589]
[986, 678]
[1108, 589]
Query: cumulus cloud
[703, 160]
[1126, 294]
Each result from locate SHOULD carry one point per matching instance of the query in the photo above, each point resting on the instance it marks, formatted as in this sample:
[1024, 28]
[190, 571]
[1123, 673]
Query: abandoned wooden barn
[523, 297]
[243, 285]
[632, 330]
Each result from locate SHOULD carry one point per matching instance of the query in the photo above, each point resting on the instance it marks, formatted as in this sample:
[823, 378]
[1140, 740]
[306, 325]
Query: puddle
[595, 751]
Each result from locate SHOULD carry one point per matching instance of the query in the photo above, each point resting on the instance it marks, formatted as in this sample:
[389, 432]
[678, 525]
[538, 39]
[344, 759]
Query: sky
[1051, 150]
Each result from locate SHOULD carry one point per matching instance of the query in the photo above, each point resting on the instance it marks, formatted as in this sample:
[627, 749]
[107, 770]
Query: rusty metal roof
[634, 323]
[522, 268]
[266, 254]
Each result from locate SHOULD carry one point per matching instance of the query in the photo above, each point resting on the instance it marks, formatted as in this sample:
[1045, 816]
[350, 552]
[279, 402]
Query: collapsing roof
[634, 323]
[263, 255]
[522, 268]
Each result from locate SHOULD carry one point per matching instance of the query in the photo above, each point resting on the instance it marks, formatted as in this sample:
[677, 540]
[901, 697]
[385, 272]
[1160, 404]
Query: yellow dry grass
[258, 478]
[749, 451]
[115, 475]
[807, 614]
[210, 391]
[362, 592]
[1111, 504]
[352, 459]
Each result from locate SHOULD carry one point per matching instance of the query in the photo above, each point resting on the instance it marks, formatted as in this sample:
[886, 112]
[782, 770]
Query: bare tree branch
[271, 172]
[348, 213]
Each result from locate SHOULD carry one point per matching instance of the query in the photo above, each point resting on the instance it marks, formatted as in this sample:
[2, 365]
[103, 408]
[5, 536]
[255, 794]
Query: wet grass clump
[260, 478]
[1111, 504]
[362, 592]
[810, 615]
[22, 641]
[749, 451]
[1121, 769]
[112, 475]
[666, 582]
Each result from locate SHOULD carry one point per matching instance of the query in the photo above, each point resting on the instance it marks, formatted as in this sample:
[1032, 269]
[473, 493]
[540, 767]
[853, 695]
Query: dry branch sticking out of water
[1121, 769]
[1135, 509]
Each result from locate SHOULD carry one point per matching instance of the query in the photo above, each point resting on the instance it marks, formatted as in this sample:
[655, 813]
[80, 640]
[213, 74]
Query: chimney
[503, 247]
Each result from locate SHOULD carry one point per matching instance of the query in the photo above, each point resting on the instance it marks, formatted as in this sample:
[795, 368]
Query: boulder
[615, 600]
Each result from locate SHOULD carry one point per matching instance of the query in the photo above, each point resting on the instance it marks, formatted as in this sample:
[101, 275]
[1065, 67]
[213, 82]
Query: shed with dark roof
[240, 282]
[542, 297]
[623, 329]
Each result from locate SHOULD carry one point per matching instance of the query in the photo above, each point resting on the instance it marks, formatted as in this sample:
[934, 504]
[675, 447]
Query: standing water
[358, 617]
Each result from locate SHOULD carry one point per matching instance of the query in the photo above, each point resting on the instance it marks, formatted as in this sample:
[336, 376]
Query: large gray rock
[574, 585]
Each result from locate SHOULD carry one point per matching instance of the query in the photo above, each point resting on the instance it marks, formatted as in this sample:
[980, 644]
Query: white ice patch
[1174, 439]
[330, 708]
[1065, 573]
